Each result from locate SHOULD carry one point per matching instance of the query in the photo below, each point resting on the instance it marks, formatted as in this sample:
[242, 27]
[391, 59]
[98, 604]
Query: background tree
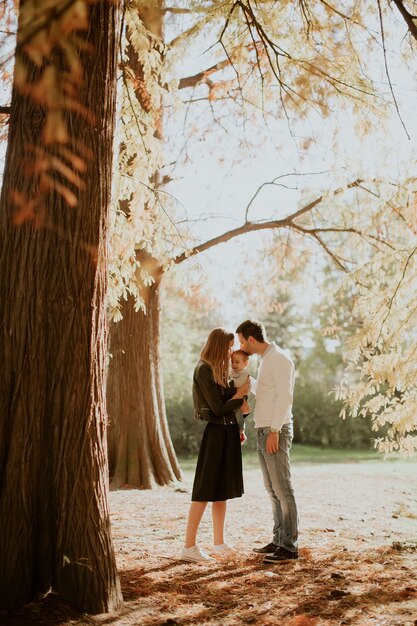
[314, 332]
[382, 350]
[140, 448]
[251, 71]
[54, 517]
[187, 317]
[321, 369]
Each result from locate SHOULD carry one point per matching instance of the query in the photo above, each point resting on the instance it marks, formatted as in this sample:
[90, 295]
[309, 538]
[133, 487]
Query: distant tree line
[317, 418]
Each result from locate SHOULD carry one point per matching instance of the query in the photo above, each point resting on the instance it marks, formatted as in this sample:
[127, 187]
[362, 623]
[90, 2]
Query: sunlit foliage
[269, 61]
[382, 352]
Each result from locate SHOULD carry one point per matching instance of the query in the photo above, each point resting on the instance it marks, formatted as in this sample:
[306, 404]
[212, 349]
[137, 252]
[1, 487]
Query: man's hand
[272, 443]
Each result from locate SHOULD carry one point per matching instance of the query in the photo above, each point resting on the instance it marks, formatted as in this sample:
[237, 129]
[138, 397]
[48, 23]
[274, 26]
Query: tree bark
[140, 448]
[54, 516]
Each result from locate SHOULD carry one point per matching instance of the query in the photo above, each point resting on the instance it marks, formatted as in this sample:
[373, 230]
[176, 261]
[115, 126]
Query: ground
[357, 565]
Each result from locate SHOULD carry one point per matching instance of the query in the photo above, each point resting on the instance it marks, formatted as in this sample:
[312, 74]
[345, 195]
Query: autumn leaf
[46, 182]
[26, 208]
[303, 620]
[39, 47]
[77, 162]
[55, 129]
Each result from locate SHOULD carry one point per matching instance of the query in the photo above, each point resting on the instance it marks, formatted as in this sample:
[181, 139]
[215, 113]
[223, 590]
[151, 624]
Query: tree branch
[201, 77]
[317, 201]
[286, 222]
[384, 49]
[409, 19]
[176, 10]
[391, 300]
[195, 26]
[248, 227]
[330, 253]
[5, 110]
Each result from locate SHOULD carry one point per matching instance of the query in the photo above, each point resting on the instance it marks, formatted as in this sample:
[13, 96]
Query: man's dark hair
[252, 328]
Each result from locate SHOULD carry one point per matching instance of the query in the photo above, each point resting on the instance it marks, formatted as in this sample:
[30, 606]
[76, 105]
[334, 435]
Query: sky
[219, 179]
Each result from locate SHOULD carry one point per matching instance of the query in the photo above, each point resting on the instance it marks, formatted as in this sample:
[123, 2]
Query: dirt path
[351, 516]
[358, 562]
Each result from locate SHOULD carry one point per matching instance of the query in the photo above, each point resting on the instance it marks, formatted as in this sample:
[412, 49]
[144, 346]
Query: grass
[316, 454]
[308, 455]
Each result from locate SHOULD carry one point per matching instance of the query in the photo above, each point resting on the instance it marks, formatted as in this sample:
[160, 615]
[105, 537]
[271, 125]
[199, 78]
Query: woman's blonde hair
[216, 354]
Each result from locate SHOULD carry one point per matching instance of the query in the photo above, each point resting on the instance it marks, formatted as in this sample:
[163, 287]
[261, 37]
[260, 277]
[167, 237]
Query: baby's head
[240, 360]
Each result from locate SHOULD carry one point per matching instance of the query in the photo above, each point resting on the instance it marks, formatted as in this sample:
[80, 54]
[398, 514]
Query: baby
[239, 374]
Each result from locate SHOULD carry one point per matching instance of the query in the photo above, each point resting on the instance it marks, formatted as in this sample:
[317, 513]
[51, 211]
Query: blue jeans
[277, 480]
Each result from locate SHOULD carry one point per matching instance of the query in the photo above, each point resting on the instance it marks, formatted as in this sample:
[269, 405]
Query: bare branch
[274, 182]
[286, 222]
[248, 227]
[330, 253]
[176, 11]
[194, 27]
[317, 201]
[409, 19]
[347, 18]
[391, 300]
[386, 68]
[201, 77]
[5, 110]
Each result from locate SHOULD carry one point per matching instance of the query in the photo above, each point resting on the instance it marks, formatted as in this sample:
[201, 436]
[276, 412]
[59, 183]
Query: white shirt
[274, 389]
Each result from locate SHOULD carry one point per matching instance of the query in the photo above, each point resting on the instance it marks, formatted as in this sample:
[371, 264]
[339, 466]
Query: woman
[218, 475]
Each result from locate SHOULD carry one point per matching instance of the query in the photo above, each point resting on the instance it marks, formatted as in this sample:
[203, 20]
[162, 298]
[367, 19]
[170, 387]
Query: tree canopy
[267, 65]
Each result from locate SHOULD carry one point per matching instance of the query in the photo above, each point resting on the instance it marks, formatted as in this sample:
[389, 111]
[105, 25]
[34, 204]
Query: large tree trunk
[140, 447]
[54, 516]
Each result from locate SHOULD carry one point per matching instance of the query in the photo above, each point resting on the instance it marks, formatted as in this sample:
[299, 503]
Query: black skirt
[218, 475]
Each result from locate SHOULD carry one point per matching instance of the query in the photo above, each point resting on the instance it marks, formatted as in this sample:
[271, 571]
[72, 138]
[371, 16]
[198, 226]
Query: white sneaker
[224, 548]
[195, 555]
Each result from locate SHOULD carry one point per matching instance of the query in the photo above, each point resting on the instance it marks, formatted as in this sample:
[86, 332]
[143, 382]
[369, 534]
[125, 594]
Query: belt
[206, 415]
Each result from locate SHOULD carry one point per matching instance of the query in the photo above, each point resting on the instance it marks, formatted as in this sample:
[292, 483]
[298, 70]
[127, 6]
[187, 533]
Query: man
[273, 421]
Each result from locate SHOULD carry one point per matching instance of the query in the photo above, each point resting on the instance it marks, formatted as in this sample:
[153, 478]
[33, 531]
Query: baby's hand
[245, 408]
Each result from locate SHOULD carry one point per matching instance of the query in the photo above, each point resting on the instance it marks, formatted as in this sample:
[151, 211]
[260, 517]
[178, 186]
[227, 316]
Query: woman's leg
[219, 514]
[194, 518]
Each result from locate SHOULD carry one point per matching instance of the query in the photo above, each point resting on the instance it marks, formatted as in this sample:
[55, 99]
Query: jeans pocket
[262, 440]
[285, 439]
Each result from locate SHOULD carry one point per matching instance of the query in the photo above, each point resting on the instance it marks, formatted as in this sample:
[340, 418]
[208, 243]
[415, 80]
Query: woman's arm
[213, 394]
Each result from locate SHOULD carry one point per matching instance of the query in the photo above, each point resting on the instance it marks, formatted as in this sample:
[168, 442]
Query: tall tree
[139, 445]
[54, 516]
[270, 60]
